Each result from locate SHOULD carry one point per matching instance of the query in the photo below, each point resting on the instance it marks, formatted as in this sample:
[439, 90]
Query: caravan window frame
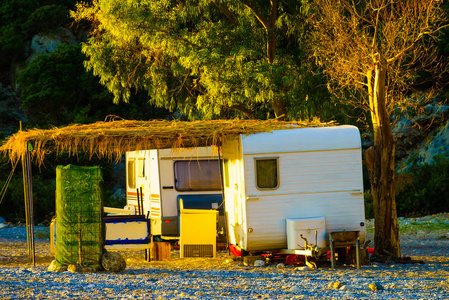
[186, 185]
[276, 159]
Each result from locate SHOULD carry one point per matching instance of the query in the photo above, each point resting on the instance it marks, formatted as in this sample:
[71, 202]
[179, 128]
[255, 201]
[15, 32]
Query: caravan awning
[113, 137]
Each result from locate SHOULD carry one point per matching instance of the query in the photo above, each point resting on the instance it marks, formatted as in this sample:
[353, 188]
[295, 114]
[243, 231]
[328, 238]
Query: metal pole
[28, 199]
[25, 197]
[30, 205]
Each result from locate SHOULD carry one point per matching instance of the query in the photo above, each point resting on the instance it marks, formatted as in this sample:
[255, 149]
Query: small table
[339, 239]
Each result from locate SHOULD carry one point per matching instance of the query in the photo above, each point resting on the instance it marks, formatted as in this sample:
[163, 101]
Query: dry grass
[113, 137]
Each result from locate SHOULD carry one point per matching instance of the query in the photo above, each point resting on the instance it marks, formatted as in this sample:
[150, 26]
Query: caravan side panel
[319, 175]
[312, 184]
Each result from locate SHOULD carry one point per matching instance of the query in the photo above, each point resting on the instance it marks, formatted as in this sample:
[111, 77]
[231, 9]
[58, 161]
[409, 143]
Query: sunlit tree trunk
[380, 163]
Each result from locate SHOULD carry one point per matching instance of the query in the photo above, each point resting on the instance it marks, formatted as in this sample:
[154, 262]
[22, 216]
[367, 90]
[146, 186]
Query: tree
[45, 19]
[12, 45]
[377, 51]
[56, 90]
[205, 58]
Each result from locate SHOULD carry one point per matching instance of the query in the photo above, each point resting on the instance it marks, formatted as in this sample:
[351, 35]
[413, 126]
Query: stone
[45, 43]
[295, 289]
[334, 285]
[75, 268]
[113, 261]
[438, 145]
[250, 260]
[2, 220]
[259, 263]
[303, 268]
[87, 269]
[374, 286]
[280, 266]
[61, 269]
[52, 267]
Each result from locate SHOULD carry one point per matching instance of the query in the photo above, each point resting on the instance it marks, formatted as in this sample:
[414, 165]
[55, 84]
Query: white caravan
[161, 178]
[306, 179]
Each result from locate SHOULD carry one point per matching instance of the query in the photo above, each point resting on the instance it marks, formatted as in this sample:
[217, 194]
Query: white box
[307, 227]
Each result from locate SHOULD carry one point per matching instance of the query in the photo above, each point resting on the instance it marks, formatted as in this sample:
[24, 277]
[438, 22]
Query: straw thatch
[112, 138]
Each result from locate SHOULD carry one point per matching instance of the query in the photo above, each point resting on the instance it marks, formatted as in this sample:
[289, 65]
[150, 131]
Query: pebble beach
[226, 277]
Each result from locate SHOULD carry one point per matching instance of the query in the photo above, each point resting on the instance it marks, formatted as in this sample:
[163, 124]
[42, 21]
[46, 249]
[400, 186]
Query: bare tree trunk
[380, 163]
[278, 104]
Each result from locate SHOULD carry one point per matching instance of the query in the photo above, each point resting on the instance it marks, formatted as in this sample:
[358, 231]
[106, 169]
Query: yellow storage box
[198, 230]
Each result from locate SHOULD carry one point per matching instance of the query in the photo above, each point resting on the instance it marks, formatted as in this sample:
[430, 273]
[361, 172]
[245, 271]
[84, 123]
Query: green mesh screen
[79, 223]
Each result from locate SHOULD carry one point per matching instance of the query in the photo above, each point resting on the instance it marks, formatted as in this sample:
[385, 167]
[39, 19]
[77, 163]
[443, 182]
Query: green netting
[79, 223]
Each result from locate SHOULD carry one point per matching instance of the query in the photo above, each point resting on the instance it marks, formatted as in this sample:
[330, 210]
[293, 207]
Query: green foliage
[428, 192]
[12, 45]
[70, 4]
[111, 200]
[46, 18]
[368, 199]
[51, 85]
[13, 13]
[16, 11]
[56, 90]
[206, 60]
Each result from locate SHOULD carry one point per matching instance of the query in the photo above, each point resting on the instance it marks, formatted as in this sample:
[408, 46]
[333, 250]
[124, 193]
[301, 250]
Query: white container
[307, 228]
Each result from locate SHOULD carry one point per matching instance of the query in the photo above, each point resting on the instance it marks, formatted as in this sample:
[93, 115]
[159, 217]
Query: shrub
[45, 19]
[368, 198]
[16, 11]
[428, 192]
[12, 46]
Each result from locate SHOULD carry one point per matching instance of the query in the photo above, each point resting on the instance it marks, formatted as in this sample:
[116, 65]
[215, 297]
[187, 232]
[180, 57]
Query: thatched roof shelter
[114, 137]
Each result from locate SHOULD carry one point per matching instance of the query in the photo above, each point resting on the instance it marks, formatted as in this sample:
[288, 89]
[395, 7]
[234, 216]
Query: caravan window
[131, 173]
[141, 167]
[267, 173]
[197, 175]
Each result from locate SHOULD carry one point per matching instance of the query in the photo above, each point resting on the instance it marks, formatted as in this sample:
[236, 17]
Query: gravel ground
[226, 278]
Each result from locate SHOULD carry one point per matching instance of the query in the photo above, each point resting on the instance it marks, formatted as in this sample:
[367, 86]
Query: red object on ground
[235, 250]
[293, 259]
[370, 251]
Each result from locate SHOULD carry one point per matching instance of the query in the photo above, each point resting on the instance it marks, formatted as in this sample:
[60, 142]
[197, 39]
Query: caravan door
[137, 174]
[234, 191]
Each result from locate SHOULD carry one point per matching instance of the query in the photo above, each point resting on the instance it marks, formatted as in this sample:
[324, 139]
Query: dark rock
[113, 261]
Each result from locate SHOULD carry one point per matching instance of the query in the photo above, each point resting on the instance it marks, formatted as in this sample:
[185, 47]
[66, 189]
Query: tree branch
[273, 14]
[242, 108]
[259, 16]
[224, 9]
[413, 44]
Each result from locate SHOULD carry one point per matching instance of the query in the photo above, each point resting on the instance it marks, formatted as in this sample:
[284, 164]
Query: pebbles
[223, 277]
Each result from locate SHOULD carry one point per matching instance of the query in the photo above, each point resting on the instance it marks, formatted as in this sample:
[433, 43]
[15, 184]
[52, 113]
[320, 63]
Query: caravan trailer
[161, 178]
[282, 186]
